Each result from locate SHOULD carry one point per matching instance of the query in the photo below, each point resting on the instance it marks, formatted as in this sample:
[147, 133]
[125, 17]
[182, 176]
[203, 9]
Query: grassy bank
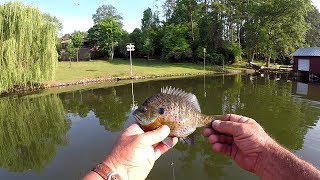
[121, 68]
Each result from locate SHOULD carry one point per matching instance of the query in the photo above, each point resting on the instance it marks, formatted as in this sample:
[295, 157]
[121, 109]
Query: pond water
[62, 136]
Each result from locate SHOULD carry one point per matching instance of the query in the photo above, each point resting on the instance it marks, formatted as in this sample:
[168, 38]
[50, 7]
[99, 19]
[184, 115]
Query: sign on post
[130, 47]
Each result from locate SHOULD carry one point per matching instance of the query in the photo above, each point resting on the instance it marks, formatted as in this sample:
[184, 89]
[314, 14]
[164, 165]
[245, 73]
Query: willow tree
[27, 47]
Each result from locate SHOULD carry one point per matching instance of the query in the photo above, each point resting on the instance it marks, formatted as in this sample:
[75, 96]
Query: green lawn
[121, 68]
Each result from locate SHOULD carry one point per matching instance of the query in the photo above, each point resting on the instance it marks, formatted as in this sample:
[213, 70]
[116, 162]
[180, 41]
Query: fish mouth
[142, 121]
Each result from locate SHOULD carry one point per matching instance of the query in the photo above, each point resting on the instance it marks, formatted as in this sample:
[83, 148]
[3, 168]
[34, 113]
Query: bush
[211, 57]
[233, 52]
[179, 56]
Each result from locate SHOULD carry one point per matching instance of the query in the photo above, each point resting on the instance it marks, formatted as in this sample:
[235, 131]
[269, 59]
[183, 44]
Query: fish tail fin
[207, 120]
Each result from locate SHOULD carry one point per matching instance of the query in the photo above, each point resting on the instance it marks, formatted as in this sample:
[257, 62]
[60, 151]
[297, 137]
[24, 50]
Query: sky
[77, 14]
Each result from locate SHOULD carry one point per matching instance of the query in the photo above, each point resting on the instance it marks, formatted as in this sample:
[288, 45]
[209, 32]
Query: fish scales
[172, 107]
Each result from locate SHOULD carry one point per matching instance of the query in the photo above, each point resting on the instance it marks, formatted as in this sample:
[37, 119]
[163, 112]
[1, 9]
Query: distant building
[84, 52]
[306, 62]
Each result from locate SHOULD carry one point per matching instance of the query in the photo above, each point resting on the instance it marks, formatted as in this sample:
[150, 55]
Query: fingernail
[168, 142]
[216, 123]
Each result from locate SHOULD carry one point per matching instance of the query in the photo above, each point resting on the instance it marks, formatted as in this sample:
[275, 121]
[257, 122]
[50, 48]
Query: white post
[223, 64]
[204, 59]
[130, 65]
[130, 48]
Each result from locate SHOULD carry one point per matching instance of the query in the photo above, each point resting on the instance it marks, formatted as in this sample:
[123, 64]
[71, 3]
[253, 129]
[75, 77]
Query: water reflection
[309, 91]
[97, 116]
[31, 131]
[110, 105]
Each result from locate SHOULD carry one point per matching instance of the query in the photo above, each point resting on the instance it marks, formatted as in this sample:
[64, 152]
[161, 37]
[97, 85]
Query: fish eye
[143, 109]
[161, 111]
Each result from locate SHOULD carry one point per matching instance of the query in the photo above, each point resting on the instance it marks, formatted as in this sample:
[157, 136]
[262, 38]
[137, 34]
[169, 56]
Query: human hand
[135, 151]
[241, 138]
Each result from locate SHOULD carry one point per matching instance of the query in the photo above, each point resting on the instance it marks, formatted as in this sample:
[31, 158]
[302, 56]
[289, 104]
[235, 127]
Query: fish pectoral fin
[189, 140]
[218, 117]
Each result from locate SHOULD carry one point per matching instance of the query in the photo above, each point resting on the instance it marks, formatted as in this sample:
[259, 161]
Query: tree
[28, 53]
[107, 11]
[137, 39]
[77, 41]
[54, 20]
[175, 45]
[168, 8]
[71, 51]
[66, 37]
[313, 34]
[105, 35]
[283, 27]
[122, 44]
[148, 25]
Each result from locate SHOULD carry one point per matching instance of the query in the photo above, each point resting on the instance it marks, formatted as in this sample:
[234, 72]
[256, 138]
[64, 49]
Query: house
[306, 62]
[84, 52]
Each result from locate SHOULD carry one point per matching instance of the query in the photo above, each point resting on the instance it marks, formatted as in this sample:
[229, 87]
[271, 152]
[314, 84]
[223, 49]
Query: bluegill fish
[175, 108]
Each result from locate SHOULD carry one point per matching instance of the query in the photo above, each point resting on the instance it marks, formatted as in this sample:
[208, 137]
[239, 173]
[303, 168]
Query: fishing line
[172, 165]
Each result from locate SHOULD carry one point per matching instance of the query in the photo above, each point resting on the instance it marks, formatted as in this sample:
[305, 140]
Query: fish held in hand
[175, 108]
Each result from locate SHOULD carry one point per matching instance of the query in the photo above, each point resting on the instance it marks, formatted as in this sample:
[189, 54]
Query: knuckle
[241, 129]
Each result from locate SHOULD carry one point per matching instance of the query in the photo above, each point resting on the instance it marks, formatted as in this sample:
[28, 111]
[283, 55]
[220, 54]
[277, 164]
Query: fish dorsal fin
[191, 98]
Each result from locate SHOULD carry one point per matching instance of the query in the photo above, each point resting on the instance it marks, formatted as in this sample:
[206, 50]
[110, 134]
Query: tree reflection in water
[110, 105]
[267, 101]
[31, 130]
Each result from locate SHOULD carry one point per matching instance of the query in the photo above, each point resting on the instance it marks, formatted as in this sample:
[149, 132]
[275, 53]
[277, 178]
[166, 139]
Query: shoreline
[121, 78]
[89, 81]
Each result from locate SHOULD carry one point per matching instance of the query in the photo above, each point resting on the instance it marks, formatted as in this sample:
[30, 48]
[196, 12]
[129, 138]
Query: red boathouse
[307, 62]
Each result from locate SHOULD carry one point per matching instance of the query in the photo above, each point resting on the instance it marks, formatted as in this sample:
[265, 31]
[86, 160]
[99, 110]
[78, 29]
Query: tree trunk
[191, 19]
[206, 6]
[238, 34]
[112, 51]
[77, 54]
[268, 61]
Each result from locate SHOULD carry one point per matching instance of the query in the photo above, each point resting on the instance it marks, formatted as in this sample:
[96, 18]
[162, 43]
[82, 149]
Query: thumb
[155, 136]
[228, 127]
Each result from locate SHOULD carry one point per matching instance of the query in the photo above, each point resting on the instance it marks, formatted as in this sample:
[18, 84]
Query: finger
[207, 132]
[133, 130]
[228, 127]
[222, 148]
[161, 148]
[220, 139]
[155, 136]
[235, 118]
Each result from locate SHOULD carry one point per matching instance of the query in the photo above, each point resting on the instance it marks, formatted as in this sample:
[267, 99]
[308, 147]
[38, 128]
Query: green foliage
[27, 46]
[105, 34]
[107, 11]
[77, 39]
[71, 51]
[268, 28]
[136, 37]
[31, 130]
[150, 25]
[77, 42]
[313, 34]
[233, 52]
[54, 20]
[211, 57]
[122, 45]
[175, 45]
[279, 26]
